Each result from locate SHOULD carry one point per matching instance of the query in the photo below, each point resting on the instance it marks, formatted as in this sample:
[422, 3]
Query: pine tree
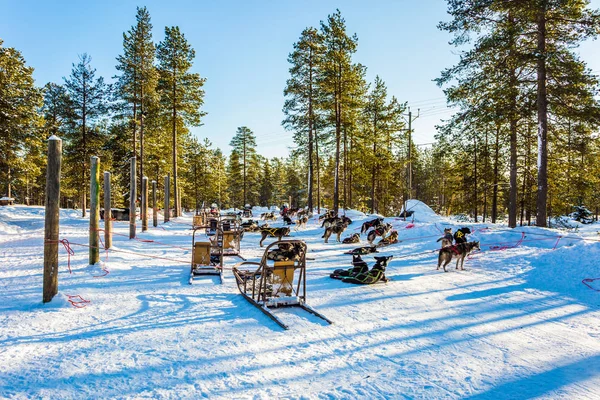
[19, 100]
[180, 90]
[266, 186]
[137, 84]
[382, 120]
[88, 100]
[301, 104]
[337, 82]
[244, 145]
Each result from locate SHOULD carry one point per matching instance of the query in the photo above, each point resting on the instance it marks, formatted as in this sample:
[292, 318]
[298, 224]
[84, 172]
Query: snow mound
[422, 212]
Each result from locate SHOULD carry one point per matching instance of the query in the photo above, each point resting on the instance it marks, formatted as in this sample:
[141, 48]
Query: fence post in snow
[167, 189]
[154, 206]
[144, 205]
[132, 195]
[107, 212]
[94, 210]
[51, 223]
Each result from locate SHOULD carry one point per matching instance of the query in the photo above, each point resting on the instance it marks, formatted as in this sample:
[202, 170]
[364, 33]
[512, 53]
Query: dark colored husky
[273, 232]
[358, 267]
[458, 251]
[376, 274]
[355, 238]
[118, 214]
[382, 231]
[374, 223]
[250, 226]
[338, 229]
[362, 250]
[328, 214]
[285, 252]
[391, 239]
[327, 222]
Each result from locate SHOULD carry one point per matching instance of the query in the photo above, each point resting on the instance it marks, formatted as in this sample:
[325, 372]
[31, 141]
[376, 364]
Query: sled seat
[283, 277]
[201, 255]
[229, 240]
[199, 220]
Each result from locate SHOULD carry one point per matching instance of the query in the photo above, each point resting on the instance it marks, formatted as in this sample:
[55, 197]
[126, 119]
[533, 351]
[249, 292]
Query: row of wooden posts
[51, 227]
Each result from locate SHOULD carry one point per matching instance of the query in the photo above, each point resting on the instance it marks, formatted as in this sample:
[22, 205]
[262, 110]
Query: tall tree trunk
[134, 120]
[475, 177]
[495, 184]
[141, 135]
[309, 202]
[345, 169]
[350, 174]
[542, 110]
[336, 183]
[175, 185]
[244, 166]
[373, 177]
[485, 174]
[85, 151]
[318, 160]
[512, 196]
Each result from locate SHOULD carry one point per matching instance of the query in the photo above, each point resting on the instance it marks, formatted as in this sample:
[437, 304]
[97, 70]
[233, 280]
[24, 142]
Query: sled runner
[207, 256]
[272, 284]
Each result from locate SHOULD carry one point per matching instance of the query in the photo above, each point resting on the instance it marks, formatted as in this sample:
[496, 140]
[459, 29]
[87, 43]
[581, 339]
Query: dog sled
[229, 236]
[200, 219]
[207, 256]
[272, 284]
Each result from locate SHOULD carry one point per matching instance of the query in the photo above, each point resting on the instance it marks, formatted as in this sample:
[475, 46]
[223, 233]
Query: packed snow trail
[518, 323]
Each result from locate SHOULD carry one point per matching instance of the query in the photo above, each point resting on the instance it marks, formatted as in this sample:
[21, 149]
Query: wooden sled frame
[201, 256]
[200, 219]
[275, 284]
[230, 237]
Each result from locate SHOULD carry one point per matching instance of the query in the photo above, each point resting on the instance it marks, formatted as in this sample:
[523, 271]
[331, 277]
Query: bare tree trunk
[475, 177]
[318, 173]
[485, 171]
[495, 184]
[542, 109]
[175, 183]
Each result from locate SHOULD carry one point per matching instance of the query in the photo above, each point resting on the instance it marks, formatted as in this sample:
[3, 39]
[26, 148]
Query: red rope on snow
[499, 248]
[80, 303]
[67, 245]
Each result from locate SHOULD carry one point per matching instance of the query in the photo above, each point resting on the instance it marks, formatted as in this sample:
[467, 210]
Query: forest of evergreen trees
[521, 147]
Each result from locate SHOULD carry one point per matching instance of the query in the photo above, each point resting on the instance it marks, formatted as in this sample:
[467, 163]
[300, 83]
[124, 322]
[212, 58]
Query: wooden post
[144, 204]
[132, 195]
[94, 234]
[154, 206]
[107, 212]
[51, 224]
[167, 189]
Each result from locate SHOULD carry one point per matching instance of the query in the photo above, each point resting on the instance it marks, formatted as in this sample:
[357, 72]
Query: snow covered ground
[518, 323]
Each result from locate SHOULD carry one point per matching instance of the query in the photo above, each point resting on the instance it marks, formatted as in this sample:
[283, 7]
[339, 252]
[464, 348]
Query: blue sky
[242, 47]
